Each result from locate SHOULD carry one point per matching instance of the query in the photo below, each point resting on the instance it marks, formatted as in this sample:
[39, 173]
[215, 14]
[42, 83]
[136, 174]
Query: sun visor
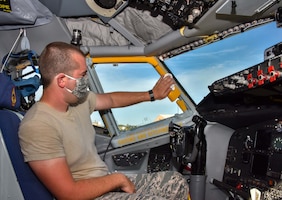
[16, 14]
[68, 8]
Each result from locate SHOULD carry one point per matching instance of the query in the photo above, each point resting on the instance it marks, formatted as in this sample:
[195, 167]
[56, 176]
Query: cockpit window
[134, 77]
[198, 69]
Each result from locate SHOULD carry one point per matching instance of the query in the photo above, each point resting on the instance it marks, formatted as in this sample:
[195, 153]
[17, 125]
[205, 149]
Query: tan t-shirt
[46, 133]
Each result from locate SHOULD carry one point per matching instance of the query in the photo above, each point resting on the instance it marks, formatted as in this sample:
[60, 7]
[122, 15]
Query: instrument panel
[254, 157]
[249, 101]
[175, 13]
[258, 76]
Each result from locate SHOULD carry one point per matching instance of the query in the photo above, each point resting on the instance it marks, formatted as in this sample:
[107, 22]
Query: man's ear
[60, 79]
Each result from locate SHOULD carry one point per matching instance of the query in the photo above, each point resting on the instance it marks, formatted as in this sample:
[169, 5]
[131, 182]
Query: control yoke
[188, 144]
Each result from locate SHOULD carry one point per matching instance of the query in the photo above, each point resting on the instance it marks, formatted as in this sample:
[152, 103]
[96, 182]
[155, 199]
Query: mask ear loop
[70, 91]
[70, 77]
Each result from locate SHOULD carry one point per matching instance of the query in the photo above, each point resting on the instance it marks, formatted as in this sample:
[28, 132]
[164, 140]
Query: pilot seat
[27, 186]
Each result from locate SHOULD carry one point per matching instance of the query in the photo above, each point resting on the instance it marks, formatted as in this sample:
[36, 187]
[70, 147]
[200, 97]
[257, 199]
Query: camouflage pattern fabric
[155, 186]
[274, 193]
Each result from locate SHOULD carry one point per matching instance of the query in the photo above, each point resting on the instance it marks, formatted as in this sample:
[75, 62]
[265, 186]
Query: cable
[21, 31]
[110, 142]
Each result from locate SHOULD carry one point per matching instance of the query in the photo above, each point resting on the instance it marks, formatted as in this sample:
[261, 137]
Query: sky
[195, 70]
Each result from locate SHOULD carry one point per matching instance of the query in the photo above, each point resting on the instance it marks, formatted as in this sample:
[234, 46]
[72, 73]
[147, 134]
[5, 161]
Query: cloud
[216, 52]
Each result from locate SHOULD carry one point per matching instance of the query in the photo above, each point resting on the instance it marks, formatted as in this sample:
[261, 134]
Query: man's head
[58, 57]
[63, 69]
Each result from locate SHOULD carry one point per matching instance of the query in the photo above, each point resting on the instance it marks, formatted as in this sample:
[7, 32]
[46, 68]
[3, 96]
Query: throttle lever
[228, 188]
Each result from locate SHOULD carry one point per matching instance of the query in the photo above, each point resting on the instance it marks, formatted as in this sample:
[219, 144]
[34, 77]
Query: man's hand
[163, 87]
[127, 186]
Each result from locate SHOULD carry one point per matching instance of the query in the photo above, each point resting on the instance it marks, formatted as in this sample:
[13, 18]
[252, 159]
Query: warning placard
[5, 6]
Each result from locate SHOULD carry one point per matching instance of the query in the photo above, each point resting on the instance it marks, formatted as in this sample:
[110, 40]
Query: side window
[133, 77]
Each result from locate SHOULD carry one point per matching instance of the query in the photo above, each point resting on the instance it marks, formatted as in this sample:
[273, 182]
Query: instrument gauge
[277, 144]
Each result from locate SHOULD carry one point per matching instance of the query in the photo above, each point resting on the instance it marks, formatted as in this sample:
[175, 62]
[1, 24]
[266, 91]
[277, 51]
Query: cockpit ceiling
[164, 27]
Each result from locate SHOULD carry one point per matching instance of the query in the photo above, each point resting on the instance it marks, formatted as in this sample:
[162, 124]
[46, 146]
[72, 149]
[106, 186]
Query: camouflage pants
[155, 186]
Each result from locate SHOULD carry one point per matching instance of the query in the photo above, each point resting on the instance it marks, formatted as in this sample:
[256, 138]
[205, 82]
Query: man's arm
[122, 99]
[55, 175]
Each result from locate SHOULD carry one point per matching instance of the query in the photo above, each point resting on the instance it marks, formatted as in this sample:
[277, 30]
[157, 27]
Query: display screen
[259, 164]
[275, 165]
[263, 139]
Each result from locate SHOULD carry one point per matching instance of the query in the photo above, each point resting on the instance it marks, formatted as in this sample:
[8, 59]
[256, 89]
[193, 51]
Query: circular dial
[277, 144]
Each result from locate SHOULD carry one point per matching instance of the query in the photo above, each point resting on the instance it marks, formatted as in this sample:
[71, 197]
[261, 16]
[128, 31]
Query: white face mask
[81, 88]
